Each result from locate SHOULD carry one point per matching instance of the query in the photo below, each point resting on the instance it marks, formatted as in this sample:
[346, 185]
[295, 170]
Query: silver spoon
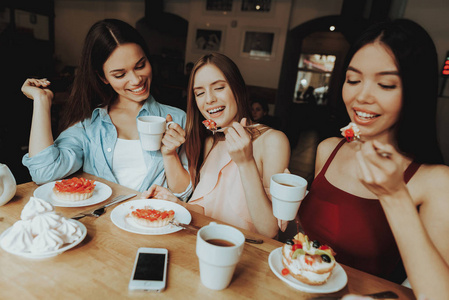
[196, 228]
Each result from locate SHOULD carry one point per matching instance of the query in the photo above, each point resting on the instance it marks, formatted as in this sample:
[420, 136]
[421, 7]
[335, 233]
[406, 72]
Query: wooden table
[100, 266]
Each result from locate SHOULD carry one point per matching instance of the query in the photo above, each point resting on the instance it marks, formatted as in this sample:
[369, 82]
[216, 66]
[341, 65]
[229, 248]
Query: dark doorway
[312, 105]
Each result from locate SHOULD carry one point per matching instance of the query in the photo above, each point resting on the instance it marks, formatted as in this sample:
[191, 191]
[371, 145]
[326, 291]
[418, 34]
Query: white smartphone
[150, 270]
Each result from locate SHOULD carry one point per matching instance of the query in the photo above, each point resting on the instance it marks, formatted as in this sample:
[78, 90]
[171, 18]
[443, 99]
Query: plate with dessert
[307, 266]
[150, 216]
[41, 232]
[73, 192]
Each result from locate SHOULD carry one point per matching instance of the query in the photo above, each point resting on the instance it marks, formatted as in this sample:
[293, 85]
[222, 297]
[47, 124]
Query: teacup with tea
[218, 248]
[287, 191]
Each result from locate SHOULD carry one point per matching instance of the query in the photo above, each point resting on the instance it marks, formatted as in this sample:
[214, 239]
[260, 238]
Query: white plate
[336, 281]
[45, 192]
[49, 253]
[120, 216]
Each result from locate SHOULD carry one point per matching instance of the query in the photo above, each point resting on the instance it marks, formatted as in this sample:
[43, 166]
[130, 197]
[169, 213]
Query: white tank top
[128, 164]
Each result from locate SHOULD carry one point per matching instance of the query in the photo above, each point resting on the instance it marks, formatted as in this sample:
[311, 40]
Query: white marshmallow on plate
[48, 240]
[34, 207]
[19, 238]
[45, 221]
[69, 230]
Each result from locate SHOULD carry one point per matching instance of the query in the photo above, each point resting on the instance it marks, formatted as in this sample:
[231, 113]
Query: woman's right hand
[37, 89]
[173, 138]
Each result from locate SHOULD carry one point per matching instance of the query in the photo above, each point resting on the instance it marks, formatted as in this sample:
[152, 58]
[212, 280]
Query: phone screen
[150, 266]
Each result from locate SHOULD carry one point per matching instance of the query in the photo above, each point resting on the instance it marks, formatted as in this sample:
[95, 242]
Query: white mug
[287, 191]
[7, 184]
[218, 248]
[151, 129]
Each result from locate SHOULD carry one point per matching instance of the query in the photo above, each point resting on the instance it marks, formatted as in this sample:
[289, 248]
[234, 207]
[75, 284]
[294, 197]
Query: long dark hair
[196, 133]
[89, 91]
[417, 61]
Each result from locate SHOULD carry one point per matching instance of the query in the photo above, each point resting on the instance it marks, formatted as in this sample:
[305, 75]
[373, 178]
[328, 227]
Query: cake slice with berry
[351, 132]
[74, 189]
[307, 261]
[210, 124]
[149, 217]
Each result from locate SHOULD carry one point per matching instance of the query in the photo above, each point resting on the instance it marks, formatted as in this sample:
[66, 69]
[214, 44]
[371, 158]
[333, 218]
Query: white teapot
[7, 184]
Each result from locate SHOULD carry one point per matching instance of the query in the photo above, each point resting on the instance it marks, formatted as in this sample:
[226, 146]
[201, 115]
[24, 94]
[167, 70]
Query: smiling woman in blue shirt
[110, 91]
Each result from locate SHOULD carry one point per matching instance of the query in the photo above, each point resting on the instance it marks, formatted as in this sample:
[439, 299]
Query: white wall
[73, 18]
[256, 72]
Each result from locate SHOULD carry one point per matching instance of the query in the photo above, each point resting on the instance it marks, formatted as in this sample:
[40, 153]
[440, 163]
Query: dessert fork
[195, 228]
[222, 129]
[99, 211]
[352, 134]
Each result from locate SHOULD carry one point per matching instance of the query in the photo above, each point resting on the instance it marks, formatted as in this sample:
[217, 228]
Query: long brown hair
[196, 133]
[89, 91]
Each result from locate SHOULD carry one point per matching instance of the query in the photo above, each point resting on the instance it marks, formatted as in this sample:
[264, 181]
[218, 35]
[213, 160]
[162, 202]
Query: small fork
[195, 228]
[99, 211]
[222, 129]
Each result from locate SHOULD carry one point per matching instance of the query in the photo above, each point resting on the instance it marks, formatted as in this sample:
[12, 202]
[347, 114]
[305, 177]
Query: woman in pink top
[230, 171]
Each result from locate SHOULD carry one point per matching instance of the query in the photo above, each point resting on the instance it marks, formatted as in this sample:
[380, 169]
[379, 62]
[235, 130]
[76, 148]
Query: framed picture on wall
[219, 5]
[209, 39]
[259, 43]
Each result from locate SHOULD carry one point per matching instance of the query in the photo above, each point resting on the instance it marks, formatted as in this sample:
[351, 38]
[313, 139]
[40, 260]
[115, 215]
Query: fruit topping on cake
[307, 261]
[351, 132]
[152, 217]
[210, 124]
[74, 189]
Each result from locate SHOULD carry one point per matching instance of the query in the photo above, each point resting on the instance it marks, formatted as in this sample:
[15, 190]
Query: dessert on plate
[152, 217]
[74, 189]
[210, 124]
[307, 261]
[34, 207]
[40, 229]
[351, 132]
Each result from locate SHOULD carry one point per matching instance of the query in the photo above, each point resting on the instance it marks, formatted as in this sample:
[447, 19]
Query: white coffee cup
[151, 129]
[217, 263]
[287, 191]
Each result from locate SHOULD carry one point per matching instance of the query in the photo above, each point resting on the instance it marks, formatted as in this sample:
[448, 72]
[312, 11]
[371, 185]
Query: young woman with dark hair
[111, 90]
[383, 213]
[230, 171]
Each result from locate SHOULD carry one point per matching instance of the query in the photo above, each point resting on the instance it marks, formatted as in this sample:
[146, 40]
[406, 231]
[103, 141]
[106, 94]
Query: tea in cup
[218, 248]
[287, 191]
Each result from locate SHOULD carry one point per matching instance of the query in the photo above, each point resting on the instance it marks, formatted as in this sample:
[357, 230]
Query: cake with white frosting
[351, 132]
[307, 261]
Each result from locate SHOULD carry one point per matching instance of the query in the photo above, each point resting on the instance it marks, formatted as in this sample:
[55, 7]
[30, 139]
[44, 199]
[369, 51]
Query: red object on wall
[445, 71]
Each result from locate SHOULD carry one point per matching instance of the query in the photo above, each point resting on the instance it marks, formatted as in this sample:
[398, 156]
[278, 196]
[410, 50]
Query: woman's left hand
[238, 142]
[159, 192]
[381, 175]
[173, 138]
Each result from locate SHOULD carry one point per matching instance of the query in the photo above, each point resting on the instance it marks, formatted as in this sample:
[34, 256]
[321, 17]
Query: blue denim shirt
[90, 144]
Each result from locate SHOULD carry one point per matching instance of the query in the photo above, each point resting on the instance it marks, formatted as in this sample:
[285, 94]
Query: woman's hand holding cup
[173, 138]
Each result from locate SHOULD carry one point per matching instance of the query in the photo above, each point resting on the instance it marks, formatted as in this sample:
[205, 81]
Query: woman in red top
[377, 212]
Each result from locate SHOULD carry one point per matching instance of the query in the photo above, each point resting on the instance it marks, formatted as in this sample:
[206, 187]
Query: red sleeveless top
[356, 228]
